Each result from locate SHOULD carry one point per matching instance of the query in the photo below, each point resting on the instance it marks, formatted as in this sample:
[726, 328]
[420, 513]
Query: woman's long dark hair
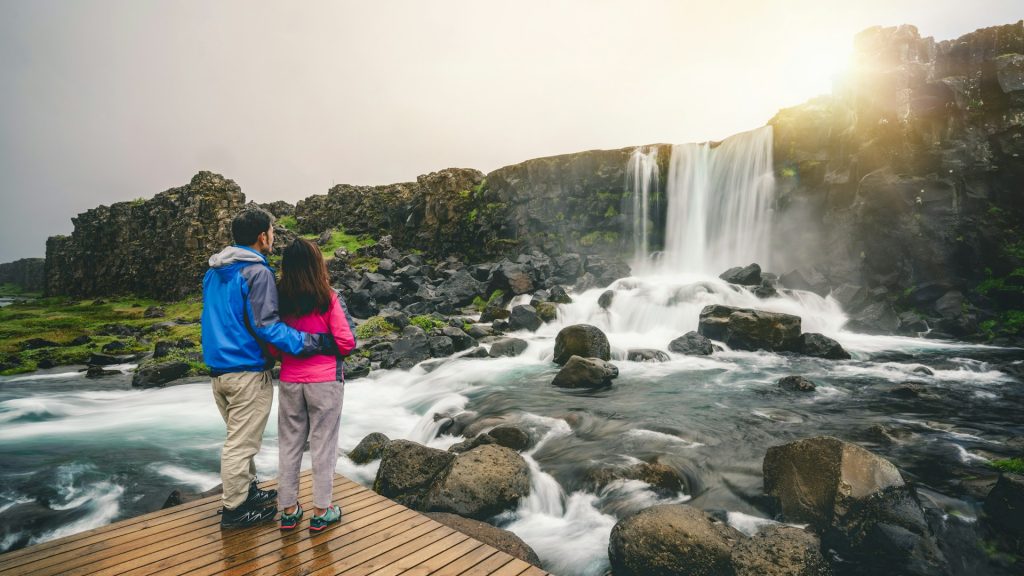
[304, 286]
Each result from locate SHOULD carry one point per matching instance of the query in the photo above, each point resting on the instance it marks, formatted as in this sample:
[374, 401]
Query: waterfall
[642, 184]
[720, 204]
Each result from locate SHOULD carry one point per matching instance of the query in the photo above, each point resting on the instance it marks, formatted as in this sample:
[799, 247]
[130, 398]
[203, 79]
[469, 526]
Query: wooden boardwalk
[376, 536]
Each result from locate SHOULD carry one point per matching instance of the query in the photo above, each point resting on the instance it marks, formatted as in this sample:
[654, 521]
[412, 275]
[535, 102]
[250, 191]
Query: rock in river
[581, 372]
[581, 340]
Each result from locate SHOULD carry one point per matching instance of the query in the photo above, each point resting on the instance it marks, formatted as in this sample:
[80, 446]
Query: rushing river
[80, 453]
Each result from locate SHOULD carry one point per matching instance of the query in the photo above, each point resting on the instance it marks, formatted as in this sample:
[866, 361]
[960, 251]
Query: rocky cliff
[26, 273]
[906, 185]
[156, 247]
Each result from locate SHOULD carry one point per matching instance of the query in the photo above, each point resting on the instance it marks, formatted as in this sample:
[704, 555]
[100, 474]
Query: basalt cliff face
[908, 181]
[156, 247]
[26, 273]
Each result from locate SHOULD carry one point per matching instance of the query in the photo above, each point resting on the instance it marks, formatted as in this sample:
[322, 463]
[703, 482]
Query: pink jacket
[317, 368]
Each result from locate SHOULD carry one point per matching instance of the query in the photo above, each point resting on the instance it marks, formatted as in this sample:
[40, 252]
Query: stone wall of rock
[26, 273]
[907, 180]
[573, 203]
[157, 247]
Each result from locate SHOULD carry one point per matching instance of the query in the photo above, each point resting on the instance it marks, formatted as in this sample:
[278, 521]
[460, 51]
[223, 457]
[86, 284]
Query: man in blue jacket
[240, 317]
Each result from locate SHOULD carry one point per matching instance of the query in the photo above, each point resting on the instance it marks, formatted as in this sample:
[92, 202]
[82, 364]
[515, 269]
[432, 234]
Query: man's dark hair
[248, 225]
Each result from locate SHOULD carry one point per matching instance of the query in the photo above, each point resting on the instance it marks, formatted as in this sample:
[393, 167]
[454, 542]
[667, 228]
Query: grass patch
[62, 320]
[288, 222]
[427, 323]
[340, 239]
[373, 328]
[1014, 465]
[9, 289]
[367, 263]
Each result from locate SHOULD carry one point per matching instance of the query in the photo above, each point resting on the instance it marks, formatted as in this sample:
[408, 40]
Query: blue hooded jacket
[239, 289]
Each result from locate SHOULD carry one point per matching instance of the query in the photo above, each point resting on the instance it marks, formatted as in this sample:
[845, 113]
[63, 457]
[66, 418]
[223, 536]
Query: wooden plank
[323, 553]
[471, 559]
[300, 549]
[149, 519]
[99, 538]
[436, 563]
[332, 563]
[513, 568]
[129, 545]
[274, 552]
[534, 571]
[214, 541]
[489, 565]
[410, 547]
[424, 554]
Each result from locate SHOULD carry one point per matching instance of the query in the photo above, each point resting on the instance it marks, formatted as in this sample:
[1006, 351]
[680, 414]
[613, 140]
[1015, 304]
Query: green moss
[479, 303]
[288, 222]
[1014, 465]
[374, 327]
[479, 188]
[471, 217]
[367, 263]
[599, 237]
[788, 172]
[611, 212]
[427, 323]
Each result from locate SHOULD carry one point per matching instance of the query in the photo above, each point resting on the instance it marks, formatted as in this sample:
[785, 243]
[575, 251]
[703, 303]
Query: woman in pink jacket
[312, 387]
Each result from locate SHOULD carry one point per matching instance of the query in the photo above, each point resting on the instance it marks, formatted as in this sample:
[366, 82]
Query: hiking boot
[258, 498]
[330, 516]
[244, 516]
[290, 521]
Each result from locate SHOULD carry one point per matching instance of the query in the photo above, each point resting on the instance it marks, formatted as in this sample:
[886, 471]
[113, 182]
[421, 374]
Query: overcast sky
[105, 101]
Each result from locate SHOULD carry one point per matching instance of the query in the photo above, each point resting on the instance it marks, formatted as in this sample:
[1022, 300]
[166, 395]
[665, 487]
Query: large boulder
[511, 278]
[743, 275]
[581, 340]
[493, 536]
[817, 479]
[779, 550]
[692, 344]
[409, 470]
[409, 350]
[671, 540]
[370, 448]
[581, 372]
[156, 375]
[481, 483]
[857, 501]
[460, 289]
[1004, 509]
[796, 384]
[510, 437]
[821, 346]
[460, 340]
[508, 347]
[749, 329]
[524, 317]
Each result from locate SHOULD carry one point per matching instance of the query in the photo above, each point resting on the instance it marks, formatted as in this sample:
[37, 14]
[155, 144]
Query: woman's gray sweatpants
[310, 410]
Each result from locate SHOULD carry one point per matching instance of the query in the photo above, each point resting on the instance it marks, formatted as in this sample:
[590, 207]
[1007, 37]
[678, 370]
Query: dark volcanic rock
[779, 551]
[508, 347]
[408, 471]
[748, 329]
[820, 346]
[646, 355]
[495, 537]
[510, 437]
[37, 343]
[156, 375]
[581, 372]
[743, 275]
[409, 350]
[524, 317]
[691, 343]
[369, 448]
[671, 539]
[796, 384]
[460, 289]
[1004, 510]
[606, 298]
[157, 247]
[581, 340]
[482, 482]
[460, 340]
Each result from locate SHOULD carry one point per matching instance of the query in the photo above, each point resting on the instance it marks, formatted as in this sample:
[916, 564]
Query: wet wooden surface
[375, 536]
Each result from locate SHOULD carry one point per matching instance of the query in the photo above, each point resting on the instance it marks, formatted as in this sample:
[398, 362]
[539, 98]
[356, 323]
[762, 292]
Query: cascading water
[720, 204]
[642, 184]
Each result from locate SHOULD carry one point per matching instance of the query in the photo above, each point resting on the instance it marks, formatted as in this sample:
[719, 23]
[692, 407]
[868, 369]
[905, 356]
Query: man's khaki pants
[244, 400]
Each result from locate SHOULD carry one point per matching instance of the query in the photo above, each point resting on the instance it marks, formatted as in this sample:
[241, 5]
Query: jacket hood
[227, 260]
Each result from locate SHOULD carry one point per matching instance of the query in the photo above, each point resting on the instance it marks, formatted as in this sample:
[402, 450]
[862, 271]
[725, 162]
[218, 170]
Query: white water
[641, 183]
[720, 204]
